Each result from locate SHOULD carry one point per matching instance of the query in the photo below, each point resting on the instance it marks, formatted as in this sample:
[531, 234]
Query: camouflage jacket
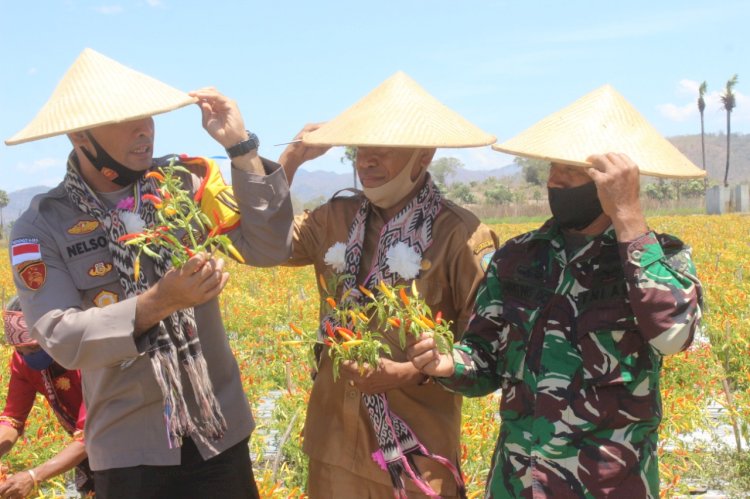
[576, 346]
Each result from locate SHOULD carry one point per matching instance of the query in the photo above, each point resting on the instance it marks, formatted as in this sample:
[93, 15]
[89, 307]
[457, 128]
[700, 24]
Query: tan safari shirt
[80, 316]
[337, 429]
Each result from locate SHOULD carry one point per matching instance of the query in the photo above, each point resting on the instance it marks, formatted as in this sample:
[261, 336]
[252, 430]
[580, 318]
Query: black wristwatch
[244, 147]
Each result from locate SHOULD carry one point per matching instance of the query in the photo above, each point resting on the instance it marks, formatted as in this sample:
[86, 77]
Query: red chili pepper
[190, 252]
[438, 317]
[155, 200]
[329, 331]
[128, 237]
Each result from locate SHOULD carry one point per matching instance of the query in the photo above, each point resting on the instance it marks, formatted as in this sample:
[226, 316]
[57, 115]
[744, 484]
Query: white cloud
[155, 3]
[109, 10]
[32, 71]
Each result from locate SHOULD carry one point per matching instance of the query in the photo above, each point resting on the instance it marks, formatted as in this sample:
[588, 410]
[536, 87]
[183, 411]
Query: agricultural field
[259, 304]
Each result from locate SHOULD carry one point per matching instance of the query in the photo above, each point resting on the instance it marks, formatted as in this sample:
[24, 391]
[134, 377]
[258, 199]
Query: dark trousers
[228, 475]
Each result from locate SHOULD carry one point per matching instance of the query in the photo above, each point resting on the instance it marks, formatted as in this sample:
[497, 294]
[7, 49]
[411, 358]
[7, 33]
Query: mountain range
[320, 185]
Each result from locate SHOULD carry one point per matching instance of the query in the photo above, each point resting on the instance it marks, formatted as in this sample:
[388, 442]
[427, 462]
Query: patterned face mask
[574, 207]
[115, 171]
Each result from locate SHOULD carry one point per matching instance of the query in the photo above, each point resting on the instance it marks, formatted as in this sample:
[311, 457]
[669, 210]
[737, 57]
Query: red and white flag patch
[25, 250]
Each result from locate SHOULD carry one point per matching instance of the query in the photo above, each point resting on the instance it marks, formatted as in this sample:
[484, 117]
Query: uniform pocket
[610, 356]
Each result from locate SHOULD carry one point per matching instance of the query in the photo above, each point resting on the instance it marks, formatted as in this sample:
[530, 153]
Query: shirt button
[637, 254]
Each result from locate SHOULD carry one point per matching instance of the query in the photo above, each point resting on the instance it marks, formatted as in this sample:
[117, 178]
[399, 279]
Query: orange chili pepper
[153, 174]
[331, 302]
[394, 321]
[427, 321]
[348, 334]
[366, 292]
[296, 329]
[404, 298]
[137, 268]
[323, 284]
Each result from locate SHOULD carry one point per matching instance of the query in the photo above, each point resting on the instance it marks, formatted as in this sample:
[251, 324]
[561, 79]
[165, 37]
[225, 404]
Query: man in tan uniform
[396, 129]
[167, 415]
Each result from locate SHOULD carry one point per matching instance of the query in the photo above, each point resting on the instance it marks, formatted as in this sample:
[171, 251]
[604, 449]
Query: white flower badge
[403, 260]
[132, 221]
[336, 257]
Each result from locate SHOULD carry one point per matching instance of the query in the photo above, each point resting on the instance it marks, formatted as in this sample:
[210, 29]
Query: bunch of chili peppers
[391, 308]
[180, 226]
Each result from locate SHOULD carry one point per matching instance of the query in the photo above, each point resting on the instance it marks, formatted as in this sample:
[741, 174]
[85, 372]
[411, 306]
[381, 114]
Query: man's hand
[424, 355]
[617, 182]
[388, 375]
[17, 485]
[198, 281]
[223, 121]
[297, 153]
[221, 116]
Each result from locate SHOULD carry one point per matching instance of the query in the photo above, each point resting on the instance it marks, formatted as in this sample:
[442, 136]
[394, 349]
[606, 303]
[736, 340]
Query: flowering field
[259, 304]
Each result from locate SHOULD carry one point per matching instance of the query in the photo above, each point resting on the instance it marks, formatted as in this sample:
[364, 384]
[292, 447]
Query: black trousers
[228, 475]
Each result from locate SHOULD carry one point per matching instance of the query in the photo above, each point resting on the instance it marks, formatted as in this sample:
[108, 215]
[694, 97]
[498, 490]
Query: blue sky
[501, 64]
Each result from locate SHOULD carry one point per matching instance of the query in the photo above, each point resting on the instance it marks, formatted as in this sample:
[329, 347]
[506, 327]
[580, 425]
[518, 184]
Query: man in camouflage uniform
[571, 322]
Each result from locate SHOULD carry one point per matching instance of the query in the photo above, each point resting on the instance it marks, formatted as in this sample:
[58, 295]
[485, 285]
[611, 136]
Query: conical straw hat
[98, 91]
[399, 113]
[597, 123]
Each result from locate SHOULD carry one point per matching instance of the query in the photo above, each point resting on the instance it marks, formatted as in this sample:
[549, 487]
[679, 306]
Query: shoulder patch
[24, 250]
[483, 246]
[33, 274]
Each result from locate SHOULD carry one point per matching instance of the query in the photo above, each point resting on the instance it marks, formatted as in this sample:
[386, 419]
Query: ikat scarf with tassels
[413, 226]
[174, 341]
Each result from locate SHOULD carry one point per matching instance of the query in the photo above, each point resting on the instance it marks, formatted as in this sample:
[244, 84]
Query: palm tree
[350, 155]
[701, 108]
[729, 103]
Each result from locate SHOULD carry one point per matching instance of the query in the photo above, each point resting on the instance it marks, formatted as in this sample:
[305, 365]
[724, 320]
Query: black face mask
[574, 207]
[124, 175]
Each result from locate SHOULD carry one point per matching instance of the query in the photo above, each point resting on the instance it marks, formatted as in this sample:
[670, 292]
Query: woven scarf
[174, 341]
[67, 420]
[413, 226]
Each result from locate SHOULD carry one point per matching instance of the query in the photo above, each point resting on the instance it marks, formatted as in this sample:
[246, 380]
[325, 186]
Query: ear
[78, 139]
[425, 157]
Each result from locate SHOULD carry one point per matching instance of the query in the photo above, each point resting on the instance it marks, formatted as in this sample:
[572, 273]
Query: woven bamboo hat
[399, 113]
[99, 91]
[600, 122]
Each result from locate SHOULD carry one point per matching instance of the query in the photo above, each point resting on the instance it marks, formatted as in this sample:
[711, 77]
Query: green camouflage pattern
[576, 346]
